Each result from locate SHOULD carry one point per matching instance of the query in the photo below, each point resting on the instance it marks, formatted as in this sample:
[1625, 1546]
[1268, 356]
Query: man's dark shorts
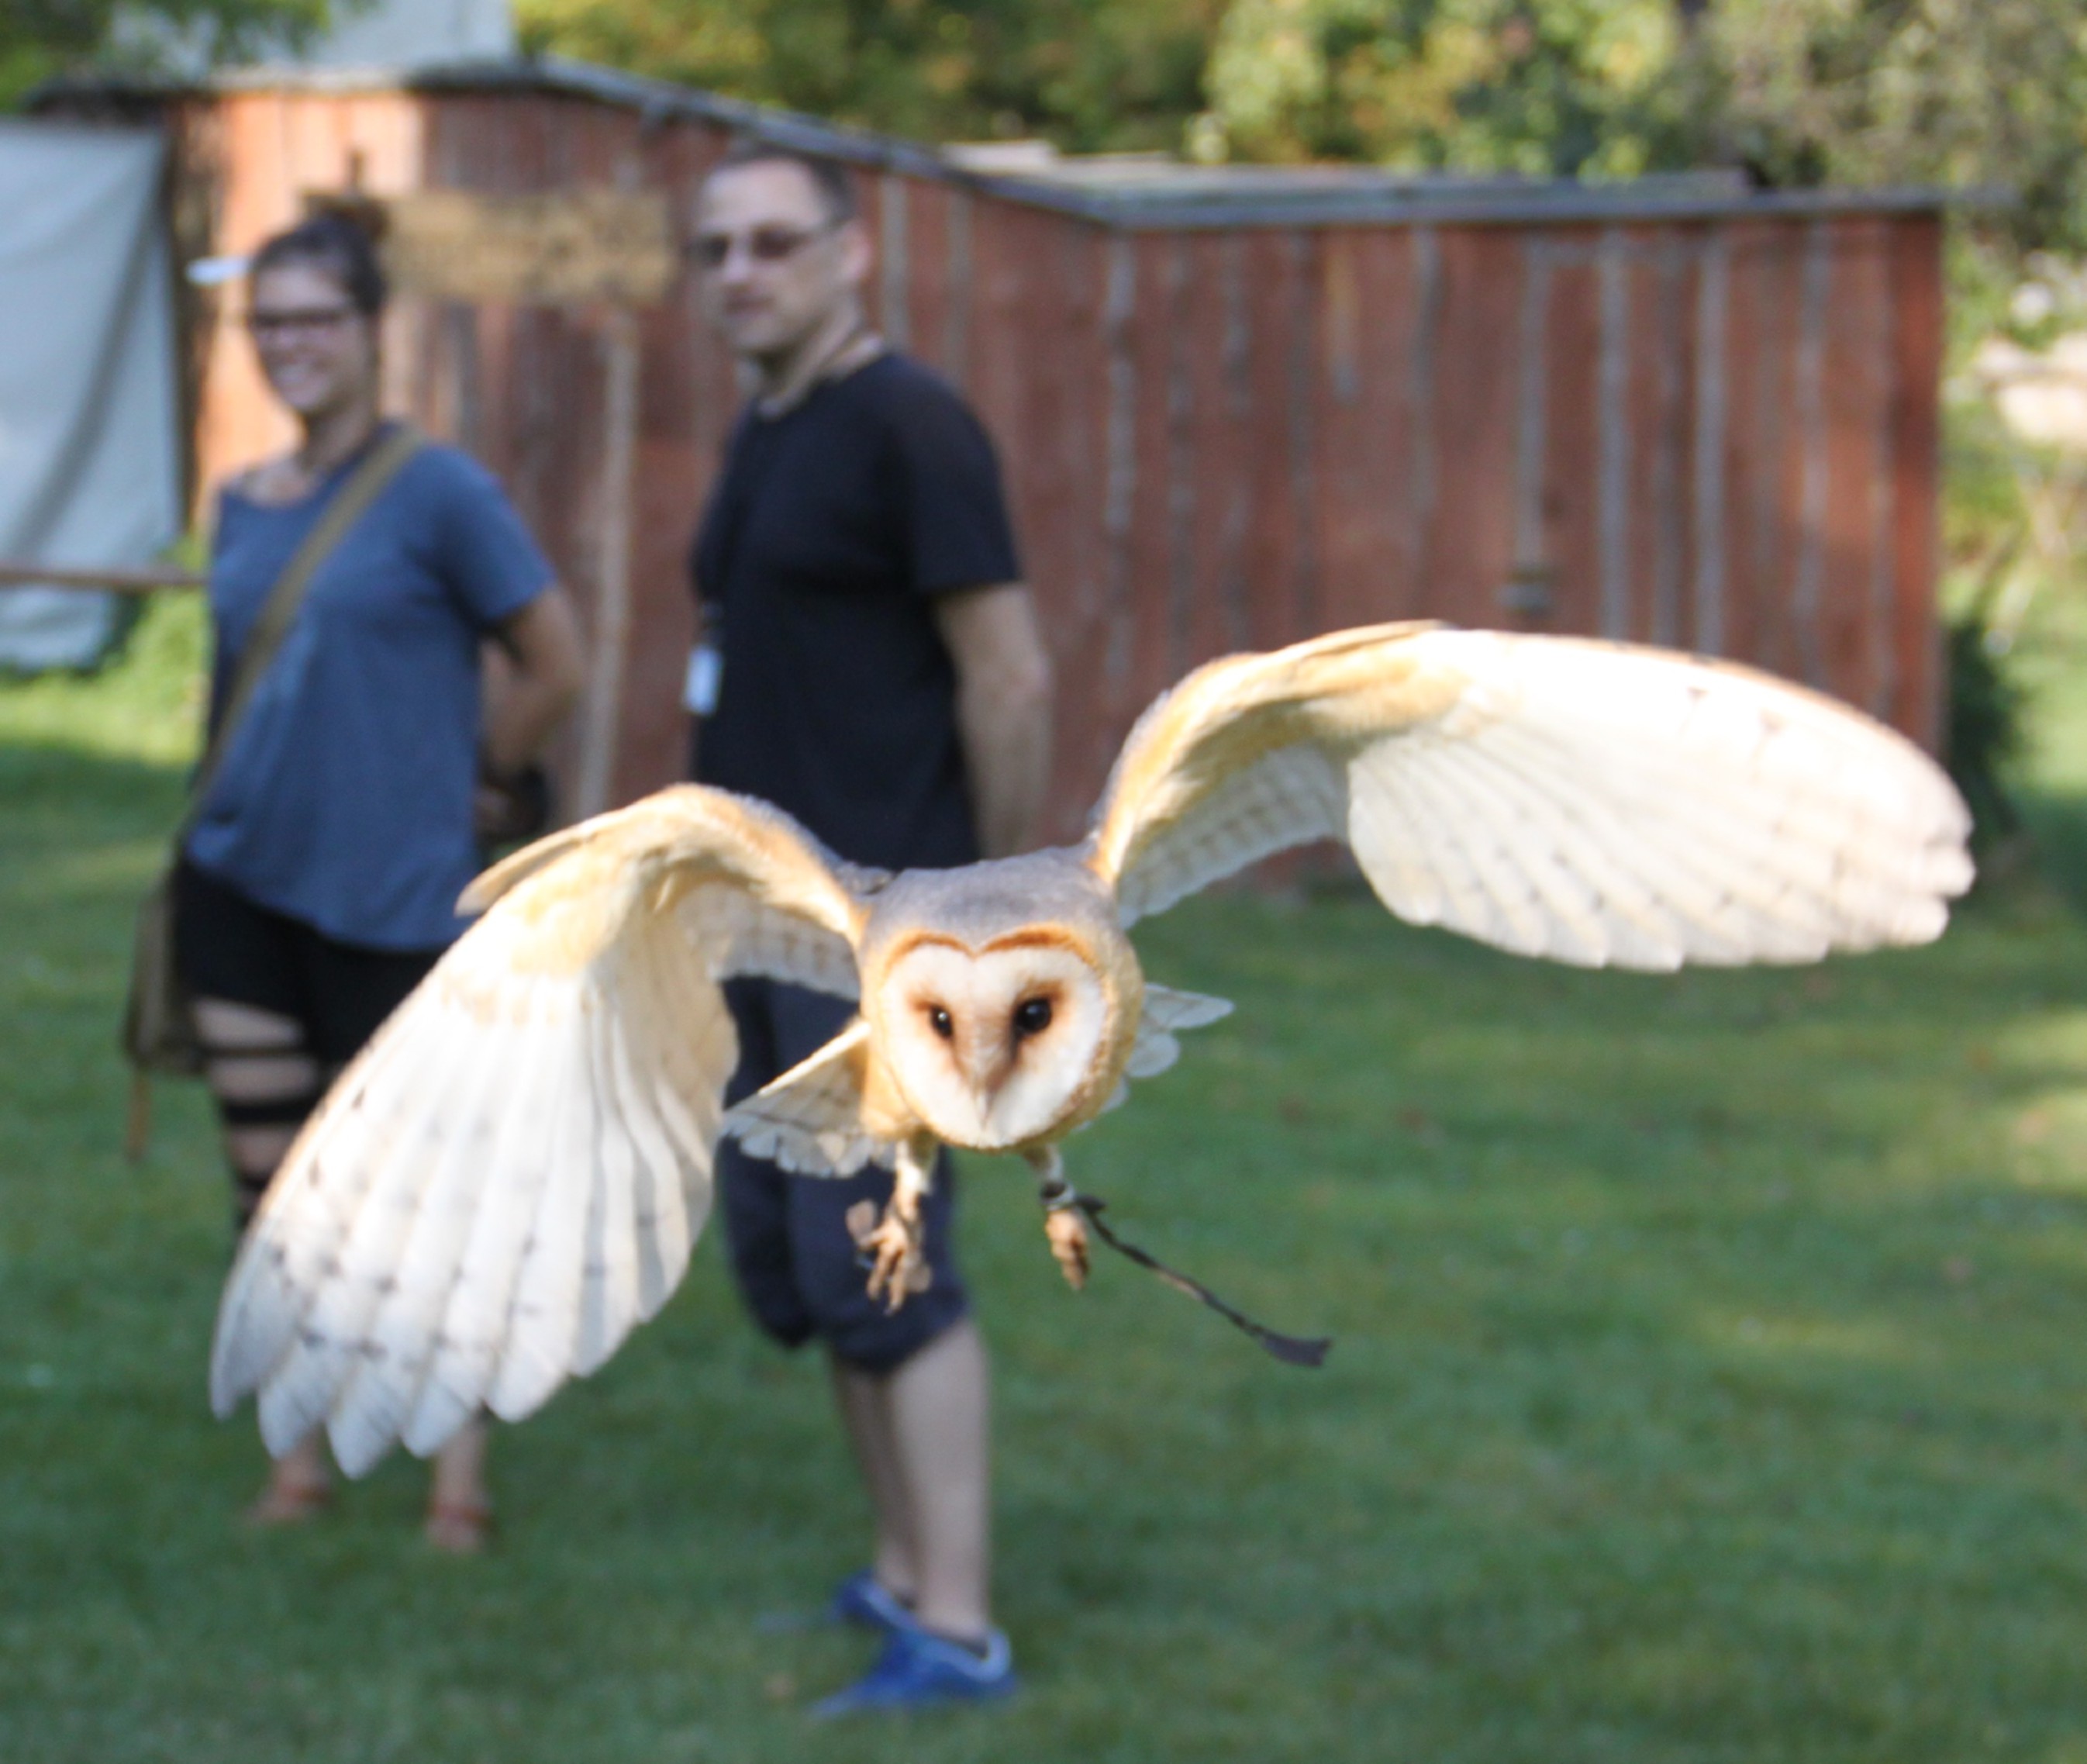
[792, 1253]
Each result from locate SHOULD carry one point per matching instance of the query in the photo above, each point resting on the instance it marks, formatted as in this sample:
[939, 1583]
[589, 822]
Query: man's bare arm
[1003, 709]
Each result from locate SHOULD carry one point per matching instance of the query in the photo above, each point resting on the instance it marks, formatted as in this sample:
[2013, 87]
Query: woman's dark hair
[336, 243]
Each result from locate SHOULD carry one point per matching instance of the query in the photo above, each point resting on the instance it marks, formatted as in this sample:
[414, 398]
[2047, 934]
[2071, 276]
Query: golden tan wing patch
[510, 1177]
[1243, 758]
[747, 865]
[1593, 803]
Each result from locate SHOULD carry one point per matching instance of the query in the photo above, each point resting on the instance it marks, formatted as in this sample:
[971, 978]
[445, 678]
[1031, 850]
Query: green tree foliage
[39, 39]
[1799, 91]
[1540, 86]
[1796, 91]
[1088, 74]
[1869, 91]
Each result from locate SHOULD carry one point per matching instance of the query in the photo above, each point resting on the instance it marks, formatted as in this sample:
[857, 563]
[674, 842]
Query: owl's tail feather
[1291, 1350]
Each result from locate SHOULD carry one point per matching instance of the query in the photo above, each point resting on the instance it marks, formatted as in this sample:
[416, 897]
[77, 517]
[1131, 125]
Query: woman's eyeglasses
[297, 318]
[764, 244]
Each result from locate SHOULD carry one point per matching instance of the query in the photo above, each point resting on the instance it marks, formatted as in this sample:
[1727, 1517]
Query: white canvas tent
[411, 34]
[90, 449]
[397, 35]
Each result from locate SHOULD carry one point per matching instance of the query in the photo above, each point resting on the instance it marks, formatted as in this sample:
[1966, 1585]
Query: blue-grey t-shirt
[345, 800]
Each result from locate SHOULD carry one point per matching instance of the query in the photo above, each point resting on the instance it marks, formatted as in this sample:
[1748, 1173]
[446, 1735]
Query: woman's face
[317, 351]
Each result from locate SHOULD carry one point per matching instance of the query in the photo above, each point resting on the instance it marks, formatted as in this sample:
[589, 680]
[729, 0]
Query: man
[871, 664]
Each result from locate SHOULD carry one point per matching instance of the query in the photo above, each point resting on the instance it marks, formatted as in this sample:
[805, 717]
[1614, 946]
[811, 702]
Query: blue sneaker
[866, 1602]
[920, 1670]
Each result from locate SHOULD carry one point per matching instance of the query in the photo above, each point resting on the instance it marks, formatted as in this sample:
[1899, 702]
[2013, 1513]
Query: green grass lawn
[1709, 1386]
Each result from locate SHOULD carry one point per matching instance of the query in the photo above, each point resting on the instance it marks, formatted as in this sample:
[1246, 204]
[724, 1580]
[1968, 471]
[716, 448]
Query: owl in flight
[512, 1174]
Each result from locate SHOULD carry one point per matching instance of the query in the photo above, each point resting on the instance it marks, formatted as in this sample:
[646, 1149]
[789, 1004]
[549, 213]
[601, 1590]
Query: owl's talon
[892, 1248]
[896, 1266]
[1064, 1227]
[1067, 1232]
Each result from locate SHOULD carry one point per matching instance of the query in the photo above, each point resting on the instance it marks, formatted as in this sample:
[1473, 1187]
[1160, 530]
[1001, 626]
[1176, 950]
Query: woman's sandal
[296, 1503]
[458, 1528]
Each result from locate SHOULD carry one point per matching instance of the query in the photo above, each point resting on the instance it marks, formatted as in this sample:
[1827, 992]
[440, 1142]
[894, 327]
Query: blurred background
[1709, 1382]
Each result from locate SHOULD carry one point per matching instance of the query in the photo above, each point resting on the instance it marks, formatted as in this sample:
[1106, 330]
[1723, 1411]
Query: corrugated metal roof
[1125, 191]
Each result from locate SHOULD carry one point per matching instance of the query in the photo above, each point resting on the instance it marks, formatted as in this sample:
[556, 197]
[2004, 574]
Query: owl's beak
[987, 1086]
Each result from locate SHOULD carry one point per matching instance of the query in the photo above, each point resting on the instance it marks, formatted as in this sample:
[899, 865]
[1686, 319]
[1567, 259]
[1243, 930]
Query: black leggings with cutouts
[336, 995]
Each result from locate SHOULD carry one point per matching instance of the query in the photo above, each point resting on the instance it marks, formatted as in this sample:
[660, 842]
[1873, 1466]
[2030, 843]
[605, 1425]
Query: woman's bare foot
[300, 1488]
[458, 1530]
[459, 1512]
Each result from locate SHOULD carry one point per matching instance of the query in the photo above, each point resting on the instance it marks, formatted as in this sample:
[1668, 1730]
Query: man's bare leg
[866, 1413]
[937, 1403]
[920, 1436]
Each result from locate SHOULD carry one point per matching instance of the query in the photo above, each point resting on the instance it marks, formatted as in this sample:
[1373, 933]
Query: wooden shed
[1236, 407]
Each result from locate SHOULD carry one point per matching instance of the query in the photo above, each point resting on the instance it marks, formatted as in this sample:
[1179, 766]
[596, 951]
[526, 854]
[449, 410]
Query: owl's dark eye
[938, 1020]
[1032, 1016]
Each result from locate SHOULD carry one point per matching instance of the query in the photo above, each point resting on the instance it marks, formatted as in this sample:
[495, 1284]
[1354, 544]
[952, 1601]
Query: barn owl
[511, 1175]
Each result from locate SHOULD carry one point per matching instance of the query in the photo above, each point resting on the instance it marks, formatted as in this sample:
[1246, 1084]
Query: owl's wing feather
[752, 888]
[742, 934]
[1165, 1010]
[512, 1174]
[810, 1120]
[1593, 803]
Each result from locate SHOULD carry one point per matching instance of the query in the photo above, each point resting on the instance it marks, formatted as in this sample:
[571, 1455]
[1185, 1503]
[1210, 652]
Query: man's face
[773, 266]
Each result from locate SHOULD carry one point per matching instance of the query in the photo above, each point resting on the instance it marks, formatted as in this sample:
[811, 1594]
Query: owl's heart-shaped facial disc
[993, 1046]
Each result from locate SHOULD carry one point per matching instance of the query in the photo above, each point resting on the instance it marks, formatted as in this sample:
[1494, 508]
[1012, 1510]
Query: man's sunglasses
[764, 244]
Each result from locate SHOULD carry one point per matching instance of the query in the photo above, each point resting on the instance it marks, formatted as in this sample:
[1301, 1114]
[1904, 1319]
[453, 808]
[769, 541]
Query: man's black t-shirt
[831, 530]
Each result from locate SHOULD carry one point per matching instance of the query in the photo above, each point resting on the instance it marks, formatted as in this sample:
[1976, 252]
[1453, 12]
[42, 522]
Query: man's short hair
[830, 180]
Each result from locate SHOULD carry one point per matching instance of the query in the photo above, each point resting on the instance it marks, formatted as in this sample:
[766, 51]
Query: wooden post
[598, 249]
[14, 574]
[137, 1118]
[602, 707]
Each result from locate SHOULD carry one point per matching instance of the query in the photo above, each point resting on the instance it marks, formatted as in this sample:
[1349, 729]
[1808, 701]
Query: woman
[318, 884]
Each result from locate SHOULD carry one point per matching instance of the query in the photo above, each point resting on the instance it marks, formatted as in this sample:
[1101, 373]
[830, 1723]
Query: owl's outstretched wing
[1594, 803]
[810, 1120]
[512, 1174]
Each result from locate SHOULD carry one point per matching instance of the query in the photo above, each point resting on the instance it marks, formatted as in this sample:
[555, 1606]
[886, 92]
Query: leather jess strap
[1059, 1195]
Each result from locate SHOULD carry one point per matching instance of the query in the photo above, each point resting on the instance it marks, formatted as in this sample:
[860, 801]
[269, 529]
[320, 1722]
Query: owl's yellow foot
[897, 1267]
[1063, 1227]
[1068, 1232]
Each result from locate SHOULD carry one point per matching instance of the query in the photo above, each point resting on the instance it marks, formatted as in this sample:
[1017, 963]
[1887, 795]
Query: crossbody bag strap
[371, 473]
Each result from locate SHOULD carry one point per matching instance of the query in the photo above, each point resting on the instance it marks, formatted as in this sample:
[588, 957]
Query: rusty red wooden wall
[1715, 432]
